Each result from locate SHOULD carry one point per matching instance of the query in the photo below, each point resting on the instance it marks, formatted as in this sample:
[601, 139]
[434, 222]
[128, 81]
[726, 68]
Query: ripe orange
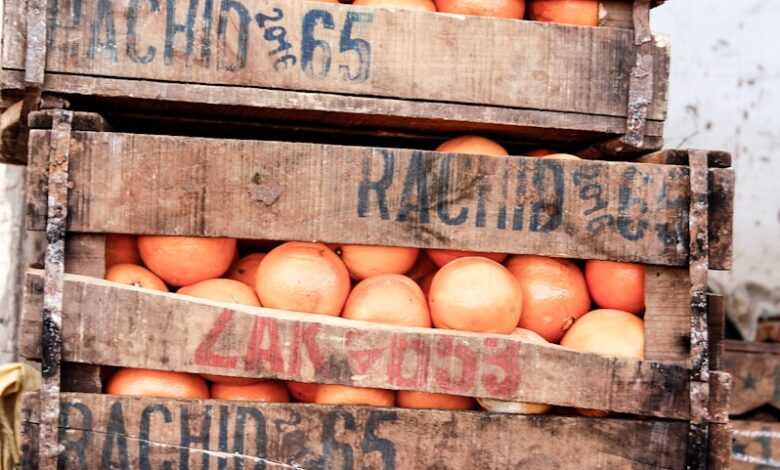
[303, 277]
[475, 294]
[435, 401]
[617, 285]
[121, 249]
[421, 5]
[539, 152]
[497, 8]
[577, 12]
[302, 391]
[554, 294]
[181, 261]
[364, 261]
[389, 298]
[157, 383]
[562, 156]
[228, 380]
[442, 257]
[472, 144]
[269, 391]
[526, 408]
[134, 275]
[245, 269]
[607, 332]
[222, 290]
[328, 394]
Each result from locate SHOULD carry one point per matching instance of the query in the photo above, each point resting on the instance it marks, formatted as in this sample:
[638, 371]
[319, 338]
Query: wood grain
[667, 314]
[294, 191]
[756, 376]
[348, 50]
[755, 446]
[134, 431]
[103, 322]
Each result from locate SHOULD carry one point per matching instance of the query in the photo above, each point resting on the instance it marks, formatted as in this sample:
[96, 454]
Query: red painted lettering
[506, 359]
[306, 335]
[256, 353]
[448, 354]
[362, 358]
[205, 355]
[401, 348]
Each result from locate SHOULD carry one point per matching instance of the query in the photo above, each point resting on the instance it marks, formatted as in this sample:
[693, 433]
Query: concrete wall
[11, 206]
[725, 94]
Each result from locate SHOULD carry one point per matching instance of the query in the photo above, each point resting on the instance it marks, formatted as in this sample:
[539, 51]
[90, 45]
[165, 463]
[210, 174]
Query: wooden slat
[756, 376]
[296, 191]
[667, 314]
[112, 324]
[348, 50]
[721, 216]
[131, 432]
[756, 445]
[86, 255]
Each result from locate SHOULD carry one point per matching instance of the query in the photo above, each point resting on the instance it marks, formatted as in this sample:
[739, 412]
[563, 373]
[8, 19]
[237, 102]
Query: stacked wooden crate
[154, 94]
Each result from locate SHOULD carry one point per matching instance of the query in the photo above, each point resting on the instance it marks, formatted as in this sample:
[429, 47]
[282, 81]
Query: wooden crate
[755, 368]
[383, 196]
[755, 445]
[349, 66]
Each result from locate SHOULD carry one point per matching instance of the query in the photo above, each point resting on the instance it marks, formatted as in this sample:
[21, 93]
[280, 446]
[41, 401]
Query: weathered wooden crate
[755, 368]
[755, 445]
[132, 183]
[346, 66]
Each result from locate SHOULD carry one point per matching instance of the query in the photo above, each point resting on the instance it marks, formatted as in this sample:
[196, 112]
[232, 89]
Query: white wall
[11, 207]
[725, 94]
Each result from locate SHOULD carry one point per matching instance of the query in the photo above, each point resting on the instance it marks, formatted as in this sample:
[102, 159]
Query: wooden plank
[348, 50]
[755, 446]
[716, 323]
[721, 217]
[751, 347]
[380, 114]
[667, 314]
[133, 432]
[86, 255]
[715, 158]
[81, 378]
[103, 323]
[756, 378]
[287, 191]
[768, 331]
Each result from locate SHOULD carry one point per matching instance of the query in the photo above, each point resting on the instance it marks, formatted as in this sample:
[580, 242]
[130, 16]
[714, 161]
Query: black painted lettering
[222, 37]
[309, 44]
[205, 41]
[380, 186]
[144, 435]
[549, 208]
[443, 195]
[172, 28]
[415, 183]
[222, 440]
[188, 438]
[373, 443]
[103, 24]
[132, 39]
[330, 446]
[361, 47]
[673, 233]
[72, 455]
[261, 439]
[518, 214]
[484, 189]
[631, 227]
[116, 432]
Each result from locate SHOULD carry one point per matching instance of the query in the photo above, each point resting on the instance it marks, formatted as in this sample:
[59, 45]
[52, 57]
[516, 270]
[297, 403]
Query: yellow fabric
[14, 379]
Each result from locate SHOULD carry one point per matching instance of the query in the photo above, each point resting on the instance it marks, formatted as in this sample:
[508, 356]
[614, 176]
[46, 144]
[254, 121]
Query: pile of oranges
[576, 12]
[592, 306]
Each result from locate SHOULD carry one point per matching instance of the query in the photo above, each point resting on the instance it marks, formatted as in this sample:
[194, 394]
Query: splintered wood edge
[103, 321]
[134, 430]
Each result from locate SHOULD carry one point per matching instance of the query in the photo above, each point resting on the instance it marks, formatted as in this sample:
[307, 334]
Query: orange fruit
[475, 294]
[434, 401]
[303, 277]
[497, 8]
[608, 332]
[302, 391]
[616, 285]
[121, 249]
[562, 156]
[422, 267]
[390, 298]
[539, 152]
[421, 5]
[328, 394]
[134, 275]
[157, 383]
[554, 294]
[518, 407]
[576, 12]
[181, 261]
[222, 290]
[425, 284]
[442, 257]
[364, 261]
[245, 269]
[472, 144]
[269, 391]
[228, 380]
